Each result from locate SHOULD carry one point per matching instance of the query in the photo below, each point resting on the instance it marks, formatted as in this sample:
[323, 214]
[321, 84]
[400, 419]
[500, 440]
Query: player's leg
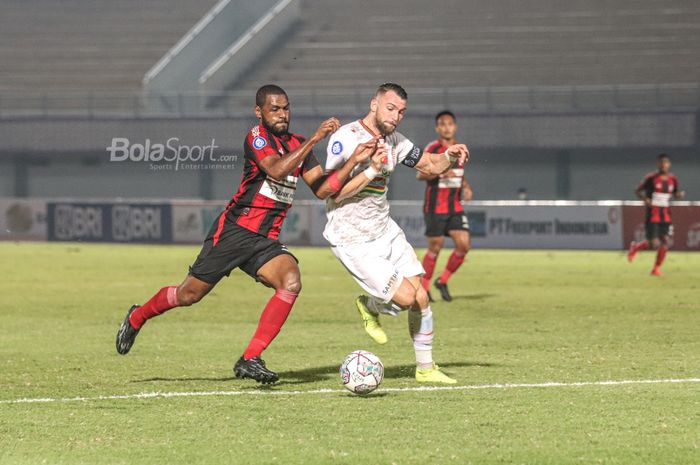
[281, 273]
[189, 292]
[458, 230]
[641, 245]
[216, 259]
[435, 244]
[368, 264]
[412, 295]
[661, 248]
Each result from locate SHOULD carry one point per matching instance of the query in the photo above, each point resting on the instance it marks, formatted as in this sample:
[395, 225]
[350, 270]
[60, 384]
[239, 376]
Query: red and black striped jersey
[444, 195]
[261, 203]
[660, 188]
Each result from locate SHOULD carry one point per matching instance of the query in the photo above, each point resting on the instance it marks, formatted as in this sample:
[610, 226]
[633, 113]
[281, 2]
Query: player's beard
[276, 129]
[384, 129]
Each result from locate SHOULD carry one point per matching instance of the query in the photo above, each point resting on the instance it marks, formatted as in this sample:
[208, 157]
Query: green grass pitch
[519, 317]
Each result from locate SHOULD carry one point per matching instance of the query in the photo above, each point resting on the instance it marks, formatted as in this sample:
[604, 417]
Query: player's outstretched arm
[279, 167]
[326, 185]
[360, 181]
[425, 176]
[438, 163]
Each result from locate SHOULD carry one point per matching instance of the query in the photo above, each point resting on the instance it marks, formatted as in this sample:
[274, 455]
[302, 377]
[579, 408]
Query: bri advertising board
[109, 222]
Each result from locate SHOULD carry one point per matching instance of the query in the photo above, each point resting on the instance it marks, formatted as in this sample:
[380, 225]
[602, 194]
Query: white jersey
[365, 216]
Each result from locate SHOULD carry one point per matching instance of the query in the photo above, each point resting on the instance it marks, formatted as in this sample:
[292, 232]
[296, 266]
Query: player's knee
[187, 297]
[463, 247]
[292, 283]
[435, 245]
[655, 244]
[405, 297]
[421, 298]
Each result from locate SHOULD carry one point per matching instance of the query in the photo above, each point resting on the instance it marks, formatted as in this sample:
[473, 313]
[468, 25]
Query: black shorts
[441, 224]
[658, 230]
[237, 247]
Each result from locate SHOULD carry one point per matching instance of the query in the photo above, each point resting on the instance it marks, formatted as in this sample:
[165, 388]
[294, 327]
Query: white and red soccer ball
[361, 372]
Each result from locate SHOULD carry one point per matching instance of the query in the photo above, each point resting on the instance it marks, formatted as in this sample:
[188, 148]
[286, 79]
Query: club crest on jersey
[336, 148]
[259, 142]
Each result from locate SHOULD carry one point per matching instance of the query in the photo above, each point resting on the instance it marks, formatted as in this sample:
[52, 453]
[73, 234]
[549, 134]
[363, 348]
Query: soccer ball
[361, 372]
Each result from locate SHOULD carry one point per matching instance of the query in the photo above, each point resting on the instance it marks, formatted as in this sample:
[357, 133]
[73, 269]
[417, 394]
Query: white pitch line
[151, 395]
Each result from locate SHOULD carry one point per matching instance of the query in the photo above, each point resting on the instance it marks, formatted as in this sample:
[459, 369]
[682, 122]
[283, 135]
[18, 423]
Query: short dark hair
[264, 91]
[663, 155]
[387, 86]
[445, 113]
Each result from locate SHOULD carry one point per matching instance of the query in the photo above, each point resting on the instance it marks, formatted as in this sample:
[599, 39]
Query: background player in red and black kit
[442, 209]
[245, 234]
[656, 190]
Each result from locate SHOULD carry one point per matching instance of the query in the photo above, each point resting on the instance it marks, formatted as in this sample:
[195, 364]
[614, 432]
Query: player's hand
[680, 195]
[365, 151]
[379, 157]
[647, 201]
[326, 128]
[459, 151]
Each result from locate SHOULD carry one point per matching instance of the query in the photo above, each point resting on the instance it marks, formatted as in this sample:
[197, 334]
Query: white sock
[420, 325]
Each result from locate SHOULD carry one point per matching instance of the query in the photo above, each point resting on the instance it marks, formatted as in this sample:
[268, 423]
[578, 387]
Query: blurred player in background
[246, 233]
[656, 190]
[442, 209]
[365, 239]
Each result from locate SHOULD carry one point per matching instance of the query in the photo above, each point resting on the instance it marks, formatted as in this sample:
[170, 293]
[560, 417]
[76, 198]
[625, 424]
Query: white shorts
[379, 266]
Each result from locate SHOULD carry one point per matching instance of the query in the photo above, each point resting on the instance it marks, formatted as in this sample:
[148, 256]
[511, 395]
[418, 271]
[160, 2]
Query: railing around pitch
[322, 102]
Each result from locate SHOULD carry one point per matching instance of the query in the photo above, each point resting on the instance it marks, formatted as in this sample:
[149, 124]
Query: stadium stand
[465, 43]
[87, 45]
[534, 54]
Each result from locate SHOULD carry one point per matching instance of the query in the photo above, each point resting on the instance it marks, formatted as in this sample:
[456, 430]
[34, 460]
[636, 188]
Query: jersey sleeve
[257, 145]
[433, 147]
[310, 162]
[340, 148]
[647, 185]
[407, 152]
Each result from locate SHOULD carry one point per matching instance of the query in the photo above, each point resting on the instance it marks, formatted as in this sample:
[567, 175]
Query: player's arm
[279, 167]
[328, 184]
[438, 163]
[643, 190]
[426, 177]
[467, 192]
[678, 194]
[360, 181]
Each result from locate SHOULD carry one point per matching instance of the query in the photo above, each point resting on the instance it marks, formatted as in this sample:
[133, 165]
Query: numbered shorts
[379, 266]
[441, 224]
[658, 230]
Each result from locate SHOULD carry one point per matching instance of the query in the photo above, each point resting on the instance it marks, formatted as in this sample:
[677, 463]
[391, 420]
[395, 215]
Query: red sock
[660, 255]
[273, 317]
[643, 245]
[164, 300]
[429, 267]
[453, 264]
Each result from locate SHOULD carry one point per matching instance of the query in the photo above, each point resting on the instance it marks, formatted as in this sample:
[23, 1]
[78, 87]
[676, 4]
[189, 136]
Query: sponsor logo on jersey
[259, 142]
[337, 148]
[279, 191]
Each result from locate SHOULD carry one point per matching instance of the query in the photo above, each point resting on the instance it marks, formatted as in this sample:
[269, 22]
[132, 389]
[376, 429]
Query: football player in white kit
[370, 244]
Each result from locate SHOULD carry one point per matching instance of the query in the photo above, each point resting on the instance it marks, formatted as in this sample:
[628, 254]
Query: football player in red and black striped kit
[656, 190]
[442, 209]
[246, 233]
